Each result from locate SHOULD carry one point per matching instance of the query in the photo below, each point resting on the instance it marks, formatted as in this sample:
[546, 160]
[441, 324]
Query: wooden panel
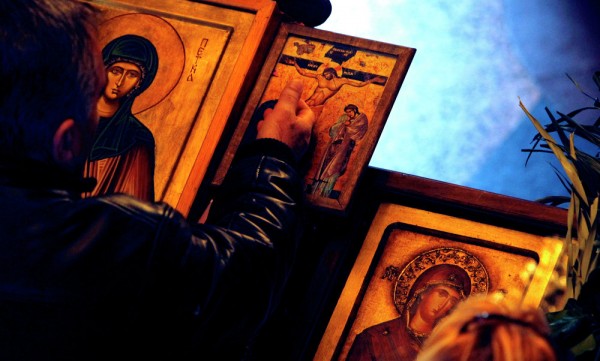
[332, 242]
[409, 250]
[207, 56]
[350, 84]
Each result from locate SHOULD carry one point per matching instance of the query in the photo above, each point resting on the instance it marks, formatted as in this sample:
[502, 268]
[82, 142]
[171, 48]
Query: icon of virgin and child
[432, 296]
[122, 158]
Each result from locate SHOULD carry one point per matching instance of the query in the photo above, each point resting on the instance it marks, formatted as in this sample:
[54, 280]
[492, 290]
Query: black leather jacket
[114, 278]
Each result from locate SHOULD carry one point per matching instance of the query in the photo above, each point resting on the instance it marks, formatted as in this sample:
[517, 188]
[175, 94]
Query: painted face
[437, 302]
[328, 75]
[350, 113]
[122, 79]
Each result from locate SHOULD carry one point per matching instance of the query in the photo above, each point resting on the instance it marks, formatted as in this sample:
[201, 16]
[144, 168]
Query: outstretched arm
[356, 83]
[304, 72]
[251, 232]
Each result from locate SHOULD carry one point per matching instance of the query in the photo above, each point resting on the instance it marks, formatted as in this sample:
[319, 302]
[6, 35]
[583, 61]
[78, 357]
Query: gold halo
[440, 256]
[168, 44]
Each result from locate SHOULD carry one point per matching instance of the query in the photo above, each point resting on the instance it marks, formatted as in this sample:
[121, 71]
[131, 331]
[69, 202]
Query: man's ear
[67, 143]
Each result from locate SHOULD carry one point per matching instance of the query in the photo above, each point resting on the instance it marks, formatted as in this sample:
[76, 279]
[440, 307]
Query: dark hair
[309, 12]
[330, 71]
[352, 107]
[48, 70]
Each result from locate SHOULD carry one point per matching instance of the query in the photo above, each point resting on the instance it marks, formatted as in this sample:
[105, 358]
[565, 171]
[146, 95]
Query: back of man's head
[48, 72]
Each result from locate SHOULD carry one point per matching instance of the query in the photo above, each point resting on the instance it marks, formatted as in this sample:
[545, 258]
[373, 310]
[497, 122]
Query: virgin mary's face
[122, 79]
[437, 302]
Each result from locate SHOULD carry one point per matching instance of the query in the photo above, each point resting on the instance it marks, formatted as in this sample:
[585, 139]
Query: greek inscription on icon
[199, 52]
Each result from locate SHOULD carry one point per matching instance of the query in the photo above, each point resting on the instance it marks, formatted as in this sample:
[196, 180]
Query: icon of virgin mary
[122, 158]
[432, 297]
[426, 291]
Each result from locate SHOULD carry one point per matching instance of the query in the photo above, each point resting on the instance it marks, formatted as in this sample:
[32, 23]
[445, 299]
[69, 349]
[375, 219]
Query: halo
[168, 44]
[440, 256]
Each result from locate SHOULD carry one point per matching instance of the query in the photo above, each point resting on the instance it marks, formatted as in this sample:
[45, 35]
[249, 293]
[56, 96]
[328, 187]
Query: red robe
[130, 173]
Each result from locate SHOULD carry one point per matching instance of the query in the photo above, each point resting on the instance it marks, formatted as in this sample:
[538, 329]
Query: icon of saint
[344, 133]
[122, 158]
[431, 298]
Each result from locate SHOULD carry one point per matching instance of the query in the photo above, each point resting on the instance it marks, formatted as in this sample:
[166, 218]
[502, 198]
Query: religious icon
[414, 266]
[340, 73]
[176, 71]
[122, 157]
[426, 291]
[334, 78]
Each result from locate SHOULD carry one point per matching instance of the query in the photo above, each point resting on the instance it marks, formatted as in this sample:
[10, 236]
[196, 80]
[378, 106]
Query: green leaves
[581, 178]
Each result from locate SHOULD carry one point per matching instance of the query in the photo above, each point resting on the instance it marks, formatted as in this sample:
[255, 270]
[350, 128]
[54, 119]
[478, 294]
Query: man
[111, 277]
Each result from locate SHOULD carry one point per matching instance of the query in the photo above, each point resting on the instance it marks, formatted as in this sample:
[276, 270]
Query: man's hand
[291, 121]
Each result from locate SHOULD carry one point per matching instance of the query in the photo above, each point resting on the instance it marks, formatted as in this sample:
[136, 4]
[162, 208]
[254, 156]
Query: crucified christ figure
[329, 83]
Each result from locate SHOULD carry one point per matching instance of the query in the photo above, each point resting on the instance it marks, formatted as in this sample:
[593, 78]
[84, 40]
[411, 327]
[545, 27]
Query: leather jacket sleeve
[93, 278]
[235, 266]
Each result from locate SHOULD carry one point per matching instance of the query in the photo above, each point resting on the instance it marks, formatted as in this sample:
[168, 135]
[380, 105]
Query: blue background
[457, 117]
